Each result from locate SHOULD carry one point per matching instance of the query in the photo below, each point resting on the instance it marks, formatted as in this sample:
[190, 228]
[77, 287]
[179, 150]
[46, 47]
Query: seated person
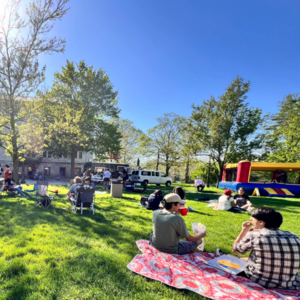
[226, 202]
[179, 191]
[199, 183]
[73, 189]
[87, 181]
[242, 200]
[169, 227]
[274, 260]
[154, 200]
[12, 187]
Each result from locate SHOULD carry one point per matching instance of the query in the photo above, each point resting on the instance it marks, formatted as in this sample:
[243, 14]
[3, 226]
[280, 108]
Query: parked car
[153, 177]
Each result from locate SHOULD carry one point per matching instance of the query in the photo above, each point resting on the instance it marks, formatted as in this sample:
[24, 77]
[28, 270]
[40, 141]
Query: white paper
[227, 263]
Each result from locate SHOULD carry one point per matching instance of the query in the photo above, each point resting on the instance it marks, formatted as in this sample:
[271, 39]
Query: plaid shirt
[274, 260]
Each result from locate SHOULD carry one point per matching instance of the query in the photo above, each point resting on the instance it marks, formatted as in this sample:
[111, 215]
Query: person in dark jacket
[154, 200]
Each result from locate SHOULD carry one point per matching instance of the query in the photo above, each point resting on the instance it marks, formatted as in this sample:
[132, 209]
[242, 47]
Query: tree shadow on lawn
[97, 223]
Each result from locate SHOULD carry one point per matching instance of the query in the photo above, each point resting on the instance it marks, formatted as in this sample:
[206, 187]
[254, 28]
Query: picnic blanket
[192, 273]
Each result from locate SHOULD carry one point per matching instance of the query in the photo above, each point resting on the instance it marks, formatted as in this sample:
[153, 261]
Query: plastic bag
[199, 228]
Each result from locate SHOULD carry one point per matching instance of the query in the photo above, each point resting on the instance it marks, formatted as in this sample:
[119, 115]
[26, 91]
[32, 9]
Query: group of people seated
[237, 203]
[78, 182]
[11, 186]
[274, 259]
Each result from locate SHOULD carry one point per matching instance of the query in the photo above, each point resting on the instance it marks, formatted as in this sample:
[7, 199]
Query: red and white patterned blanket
[191, 272]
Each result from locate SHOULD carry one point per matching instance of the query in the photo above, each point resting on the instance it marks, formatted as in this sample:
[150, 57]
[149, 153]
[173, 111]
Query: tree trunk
[73, 164]
[187, 171]
[220, 175]
[157, 161]
[167, 169]
[15, 150]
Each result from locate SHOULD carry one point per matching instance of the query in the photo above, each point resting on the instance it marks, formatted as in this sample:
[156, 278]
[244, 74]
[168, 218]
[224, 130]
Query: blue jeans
[17, 189]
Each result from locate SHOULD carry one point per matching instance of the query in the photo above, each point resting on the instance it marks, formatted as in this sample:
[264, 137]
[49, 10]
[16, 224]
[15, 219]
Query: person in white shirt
[199, 183]
[226, 202]
[106, 179]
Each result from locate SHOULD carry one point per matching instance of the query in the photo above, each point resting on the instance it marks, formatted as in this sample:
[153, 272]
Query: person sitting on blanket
[199, 183]
[169, 227]
[242, 200]
[274, 260]
[12, 187]
[73, 189]
[154, 200]
[226, 202]
[179, 191]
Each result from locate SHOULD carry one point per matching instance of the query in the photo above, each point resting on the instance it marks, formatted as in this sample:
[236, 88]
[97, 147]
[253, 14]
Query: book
[228, 263]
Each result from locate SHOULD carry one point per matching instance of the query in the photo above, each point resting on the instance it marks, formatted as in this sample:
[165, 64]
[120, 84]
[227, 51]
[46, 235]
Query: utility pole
[208, 173]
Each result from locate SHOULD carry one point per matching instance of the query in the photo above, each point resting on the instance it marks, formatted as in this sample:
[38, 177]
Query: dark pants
[184, 247]
[236, 209]
[200, 187]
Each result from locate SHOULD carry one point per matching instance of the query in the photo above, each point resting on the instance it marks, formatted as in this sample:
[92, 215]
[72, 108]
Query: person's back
[154, 201]
[224, 202]
[167, 230]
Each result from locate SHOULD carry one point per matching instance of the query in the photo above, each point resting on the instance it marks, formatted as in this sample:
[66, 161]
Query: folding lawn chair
[85, 198]
[42, 198]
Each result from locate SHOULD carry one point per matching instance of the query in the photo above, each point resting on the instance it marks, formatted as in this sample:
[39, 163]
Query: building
[49, 165]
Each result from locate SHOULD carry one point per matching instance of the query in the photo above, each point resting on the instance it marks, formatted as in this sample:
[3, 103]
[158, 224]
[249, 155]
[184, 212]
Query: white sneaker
[219, 252]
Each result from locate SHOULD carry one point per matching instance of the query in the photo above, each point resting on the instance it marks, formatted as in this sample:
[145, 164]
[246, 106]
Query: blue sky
[163, 56]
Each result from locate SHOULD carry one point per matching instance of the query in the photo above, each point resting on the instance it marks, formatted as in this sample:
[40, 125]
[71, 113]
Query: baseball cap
[171, 198]
[227, 192]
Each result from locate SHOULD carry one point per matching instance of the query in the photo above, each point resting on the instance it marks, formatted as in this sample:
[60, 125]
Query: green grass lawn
[57, 254]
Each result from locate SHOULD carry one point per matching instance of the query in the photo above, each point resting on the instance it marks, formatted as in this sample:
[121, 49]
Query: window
[153, 173]
[47, 171]
[49, 153]
[77, 171]
[80, 155]
[157, 174]
[146, 173]
[45, 154]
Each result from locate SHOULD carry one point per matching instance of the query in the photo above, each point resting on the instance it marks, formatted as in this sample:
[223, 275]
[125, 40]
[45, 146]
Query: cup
[183, 210]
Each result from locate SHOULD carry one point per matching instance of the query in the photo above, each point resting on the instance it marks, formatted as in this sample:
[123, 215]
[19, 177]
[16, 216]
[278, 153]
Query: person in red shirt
[7, 171]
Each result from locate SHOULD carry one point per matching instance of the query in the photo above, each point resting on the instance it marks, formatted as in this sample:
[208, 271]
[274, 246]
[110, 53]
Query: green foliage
[202, 171]
[282, 140]
[22, 41]
[76, 111]
[164, 141]
[227, 128]
[129, 140]
[57, 254]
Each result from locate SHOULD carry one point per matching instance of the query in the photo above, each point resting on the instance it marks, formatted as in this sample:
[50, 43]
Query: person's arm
[232, 203]
[192, 238]
[242, 248]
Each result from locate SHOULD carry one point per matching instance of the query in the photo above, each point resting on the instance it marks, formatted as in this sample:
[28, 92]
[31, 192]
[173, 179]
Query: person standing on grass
[199, 183]
[274, 260]
[169, 227]
[106, 179]
[125, 177]
[7, 171]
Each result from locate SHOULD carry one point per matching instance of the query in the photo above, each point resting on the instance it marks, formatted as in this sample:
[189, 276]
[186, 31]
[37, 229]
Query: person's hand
[202, 235]
[246, 225]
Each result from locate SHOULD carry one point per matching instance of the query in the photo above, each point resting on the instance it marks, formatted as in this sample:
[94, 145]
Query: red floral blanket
[191, 272]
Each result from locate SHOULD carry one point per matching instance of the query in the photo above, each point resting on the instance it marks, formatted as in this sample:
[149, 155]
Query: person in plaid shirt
[274, 260]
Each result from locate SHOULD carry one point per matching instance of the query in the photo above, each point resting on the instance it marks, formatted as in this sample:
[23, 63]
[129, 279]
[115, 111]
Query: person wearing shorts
[169, 227]
[106, 179]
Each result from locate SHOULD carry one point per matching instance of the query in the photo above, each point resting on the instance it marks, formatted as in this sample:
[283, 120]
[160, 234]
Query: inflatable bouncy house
[238, 175]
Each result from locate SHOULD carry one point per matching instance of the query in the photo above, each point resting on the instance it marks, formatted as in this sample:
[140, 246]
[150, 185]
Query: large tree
[130, 136]
[77, 110]
[22, 41]
[283, 138]
[227, 128]
[164, 141]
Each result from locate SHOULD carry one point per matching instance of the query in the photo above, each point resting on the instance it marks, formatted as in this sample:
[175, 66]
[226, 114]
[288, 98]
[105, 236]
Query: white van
[153, 177]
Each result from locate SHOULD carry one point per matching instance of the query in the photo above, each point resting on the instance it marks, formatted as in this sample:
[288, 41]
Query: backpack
[144, 200]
